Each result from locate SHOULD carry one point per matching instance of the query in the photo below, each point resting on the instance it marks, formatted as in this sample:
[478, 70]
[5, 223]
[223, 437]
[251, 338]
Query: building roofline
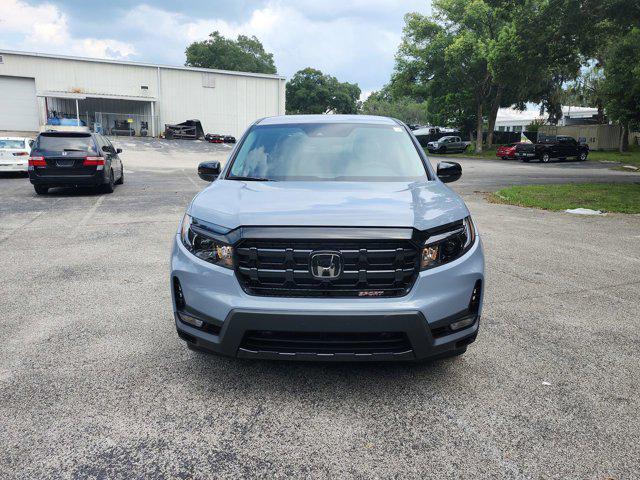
[141, 64]
[83, 96]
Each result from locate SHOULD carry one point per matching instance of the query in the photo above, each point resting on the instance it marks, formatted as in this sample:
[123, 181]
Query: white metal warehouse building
[36, 88]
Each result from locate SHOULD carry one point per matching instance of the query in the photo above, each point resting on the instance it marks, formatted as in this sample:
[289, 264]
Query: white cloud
[354, 40]
[45, 28]
[106, 48]
[365, 94]
[353, 50]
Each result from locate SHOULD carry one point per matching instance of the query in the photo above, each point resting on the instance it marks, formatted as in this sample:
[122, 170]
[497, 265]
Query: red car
[507, 152]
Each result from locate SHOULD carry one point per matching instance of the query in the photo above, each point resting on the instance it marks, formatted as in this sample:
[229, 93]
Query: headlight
[210, 250]
[444, 247]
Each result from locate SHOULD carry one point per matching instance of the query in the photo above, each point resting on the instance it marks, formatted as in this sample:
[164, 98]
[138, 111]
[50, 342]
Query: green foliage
[245, 54]
[551, 38]
[471, 57]
[311, 91]
[587, 91]
[535, 125]
[405, 108]
[632, 157]
[425, 73]
[607, 21]
[623, 198]
[621, 84]
[453, 60]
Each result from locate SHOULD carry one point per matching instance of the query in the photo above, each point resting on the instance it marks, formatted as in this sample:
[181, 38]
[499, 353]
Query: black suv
[74, 159]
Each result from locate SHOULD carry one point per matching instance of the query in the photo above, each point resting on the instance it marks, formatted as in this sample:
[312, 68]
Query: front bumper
[439, 297]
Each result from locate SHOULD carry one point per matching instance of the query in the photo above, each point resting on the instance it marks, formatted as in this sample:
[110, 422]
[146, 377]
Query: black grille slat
[384, 268]
[326, 342]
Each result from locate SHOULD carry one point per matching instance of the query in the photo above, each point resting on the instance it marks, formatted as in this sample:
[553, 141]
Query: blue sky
[355, 40]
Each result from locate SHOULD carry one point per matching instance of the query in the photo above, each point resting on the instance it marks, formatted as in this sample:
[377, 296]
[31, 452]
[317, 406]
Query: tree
[405, 109]
[588, 91]
[535, 125]
[245, 54]
[472, 57]
[611, 44]
[621, 84]
[445, 65]
[311, 91]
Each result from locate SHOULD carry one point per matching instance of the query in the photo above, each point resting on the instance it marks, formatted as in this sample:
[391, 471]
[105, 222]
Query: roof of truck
[364, 119]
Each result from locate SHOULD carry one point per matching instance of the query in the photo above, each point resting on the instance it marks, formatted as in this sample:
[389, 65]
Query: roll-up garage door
[18, 104]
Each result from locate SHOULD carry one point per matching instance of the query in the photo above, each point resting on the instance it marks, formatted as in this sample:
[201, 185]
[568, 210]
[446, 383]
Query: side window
[109, 144]
[99, 142]
[95, 145]
[104, 142]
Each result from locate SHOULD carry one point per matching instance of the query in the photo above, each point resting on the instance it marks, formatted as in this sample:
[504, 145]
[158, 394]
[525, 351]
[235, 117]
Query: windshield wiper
[251, 179]
[73, 150]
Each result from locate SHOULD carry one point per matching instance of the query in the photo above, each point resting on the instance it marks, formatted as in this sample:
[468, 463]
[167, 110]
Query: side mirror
[118, 150]
[449, 171]
[209, 171]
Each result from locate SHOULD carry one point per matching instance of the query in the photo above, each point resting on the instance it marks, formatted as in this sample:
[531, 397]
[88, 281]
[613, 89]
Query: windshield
[328, 152]
[59, 143]
[12, 144]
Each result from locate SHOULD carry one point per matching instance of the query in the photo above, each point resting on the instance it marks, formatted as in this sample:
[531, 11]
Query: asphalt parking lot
[95, 383]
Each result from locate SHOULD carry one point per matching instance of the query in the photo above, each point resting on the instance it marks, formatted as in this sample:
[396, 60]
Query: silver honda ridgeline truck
[328, 238]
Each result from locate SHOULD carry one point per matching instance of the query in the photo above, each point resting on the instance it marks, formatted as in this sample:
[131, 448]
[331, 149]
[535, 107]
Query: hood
[423, 205]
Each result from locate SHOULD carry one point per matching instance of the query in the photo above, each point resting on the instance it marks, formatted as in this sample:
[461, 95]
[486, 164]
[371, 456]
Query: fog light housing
[464, 323]
[193, 321]
[474, 303]
[177, 294]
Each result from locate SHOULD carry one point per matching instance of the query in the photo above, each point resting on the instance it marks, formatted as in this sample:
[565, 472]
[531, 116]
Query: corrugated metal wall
[227, 104]
[228, 107]
[598, 137]
[63, 75]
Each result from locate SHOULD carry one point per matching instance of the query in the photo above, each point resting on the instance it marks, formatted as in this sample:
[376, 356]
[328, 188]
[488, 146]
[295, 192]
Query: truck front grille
[370, 268]
[326, 342]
